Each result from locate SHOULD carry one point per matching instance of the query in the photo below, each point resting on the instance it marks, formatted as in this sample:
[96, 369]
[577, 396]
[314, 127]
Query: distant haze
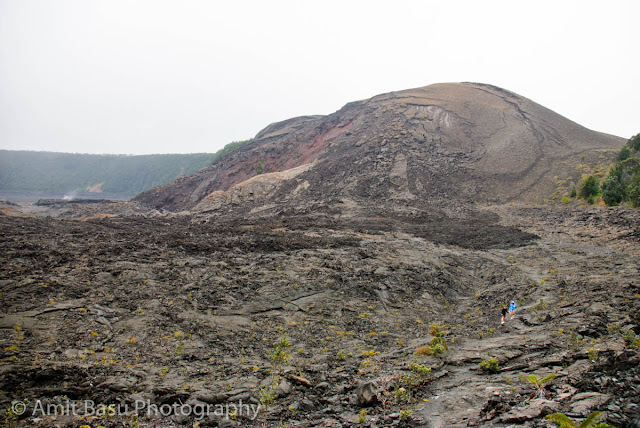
[157, 76]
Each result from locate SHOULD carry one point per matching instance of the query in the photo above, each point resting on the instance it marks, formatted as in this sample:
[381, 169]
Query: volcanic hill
[452, 142]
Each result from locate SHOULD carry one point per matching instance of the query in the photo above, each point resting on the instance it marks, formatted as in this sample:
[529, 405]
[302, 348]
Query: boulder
[538, 408]
[587, 402]
[284, 388]
[210, 397]
[367, 392]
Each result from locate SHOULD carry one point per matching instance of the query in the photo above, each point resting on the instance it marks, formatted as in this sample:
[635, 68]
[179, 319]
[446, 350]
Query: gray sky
[158, 76]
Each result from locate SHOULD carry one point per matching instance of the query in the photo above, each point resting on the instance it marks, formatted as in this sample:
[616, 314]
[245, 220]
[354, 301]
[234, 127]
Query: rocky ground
[320, 323]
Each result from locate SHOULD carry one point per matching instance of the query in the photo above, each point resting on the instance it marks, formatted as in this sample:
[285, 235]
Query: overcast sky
[157, 76]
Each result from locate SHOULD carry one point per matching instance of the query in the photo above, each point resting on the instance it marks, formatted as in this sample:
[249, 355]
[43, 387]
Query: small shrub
[134, 421]
[565, 200]
[437, 348]
[341, 355]
[163, 372]
[624, 153]
[631, 339]
[538, 384]
[11, 417]
[590, 188]
[540, 306]
[592, 353]
[634, 190]
[438, 343]
[180, 348]
[614, 191]
[420, 374]
[634, 142]
[229, 148]
[574, 340]
[420, 369]
[401, 394]
[437, 330]
[431, 350]
[406, 413]
[279, 354]
[490, 365]
[564, 422]
[362, 416]
[107, 412]
[613, 327]
[365, 364]
[423, 351]
[268, 394]
[370, 353]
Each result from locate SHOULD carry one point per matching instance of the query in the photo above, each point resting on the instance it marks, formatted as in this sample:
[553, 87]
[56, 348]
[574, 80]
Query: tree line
[69, 172]
[622, 184]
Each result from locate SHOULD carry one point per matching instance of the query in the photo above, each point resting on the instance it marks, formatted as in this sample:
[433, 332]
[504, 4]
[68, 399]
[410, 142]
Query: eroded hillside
[456, 141]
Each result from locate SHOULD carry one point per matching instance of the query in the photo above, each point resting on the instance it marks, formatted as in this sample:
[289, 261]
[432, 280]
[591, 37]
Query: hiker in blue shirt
[512, 308]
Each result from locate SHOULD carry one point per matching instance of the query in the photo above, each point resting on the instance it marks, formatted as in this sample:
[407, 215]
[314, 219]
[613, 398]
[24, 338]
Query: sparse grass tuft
[490, 365]
[631, 340]
[406, 413]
